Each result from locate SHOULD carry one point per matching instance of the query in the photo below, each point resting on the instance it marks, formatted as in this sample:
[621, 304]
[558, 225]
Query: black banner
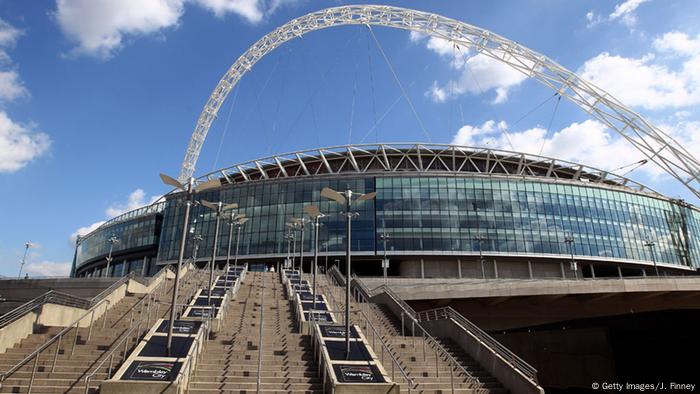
[152, 370]
[347, 373]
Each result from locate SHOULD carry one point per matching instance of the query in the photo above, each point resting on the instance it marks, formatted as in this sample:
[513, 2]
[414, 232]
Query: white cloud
[101, 27]
[8, 34]
[624, 12]
[478, 73]
[588, 142]
[252, 10]
[137, 199]
[11, 87]
[678, 43]
[593, 19]
[85, 230]
[47, 268]
[644, 83]
[19, 144]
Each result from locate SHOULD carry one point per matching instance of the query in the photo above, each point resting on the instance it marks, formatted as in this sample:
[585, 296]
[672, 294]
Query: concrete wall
[18, 330]
[509, 377]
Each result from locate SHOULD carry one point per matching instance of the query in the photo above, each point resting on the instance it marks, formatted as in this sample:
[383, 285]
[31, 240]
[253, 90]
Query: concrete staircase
[430, 370]
[70, 371]
[230, 360]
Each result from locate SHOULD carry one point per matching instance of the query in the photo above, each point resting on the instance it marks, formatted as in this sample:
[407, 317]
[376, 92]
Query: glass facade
[270, 205]
[141, 232]
[446, 214]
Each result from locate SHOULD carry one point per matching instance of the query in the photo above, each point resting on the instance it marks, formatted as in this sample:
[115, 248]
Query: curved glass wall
[447, 214]
[270, 205]
[135, 233]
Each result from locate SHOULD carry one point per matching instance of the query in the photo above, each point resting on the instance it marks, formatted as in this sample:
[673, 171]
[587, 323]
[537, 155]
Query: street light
[196, 238]
[569, 239]
[24, 258]
[289, 236]
[219, 208]
[649, 243]
[234, 221]
[385, 262]
[112, 240]
[238, 222]
[480, 239]
[325, 245]
[345, 198]
[190, 190]
[316, 215]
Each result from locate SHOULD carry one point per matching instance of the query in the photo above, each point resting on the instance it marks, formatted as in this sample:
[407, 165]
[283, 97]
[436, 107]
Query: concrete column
[592, 271]
[619, 271]
[459, 268]
[644, 272]
[563, 274]
[483, 270]
[529, 268]
[495, 269]
[422, 269]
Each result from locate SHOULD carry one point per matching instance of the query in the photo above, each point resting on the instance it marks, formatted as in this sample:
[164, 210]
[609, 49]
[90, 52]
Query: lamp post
[112, 240]
[236, 220]
[649, 243]
[238, 223]
[569, 239]
[189, 190]
[197, 238]
[24, 258]
[301, 225]
[480, 239]
[345, 198]
[219, 208]
[325, 245]
[385, 262]
[288, 236]
[316, 215]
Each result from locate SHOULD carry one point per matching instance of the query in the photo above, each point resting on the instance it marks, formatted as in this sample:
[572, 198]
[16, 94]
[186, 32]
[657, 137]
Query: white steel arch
[656, 145]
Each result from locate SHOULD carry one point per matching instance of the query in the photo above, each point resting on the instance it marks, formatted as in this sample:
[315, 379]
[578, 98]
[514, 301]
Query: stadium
[449, 212]
[474, 270]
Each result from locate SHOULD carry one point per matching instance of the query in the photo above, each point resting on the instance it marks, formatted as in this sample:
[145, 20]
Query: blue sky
[99, 96]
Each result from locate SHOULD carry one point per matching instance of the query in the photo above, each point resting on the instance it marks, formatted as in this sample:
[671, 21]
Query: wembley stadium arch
[656, 145]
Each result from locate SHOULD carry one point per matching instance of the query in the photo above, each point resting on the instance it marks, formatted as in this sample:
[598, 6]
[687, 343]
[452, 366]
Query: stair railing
[133, 334]
[448, 313]
[57, 339]
[369, 328]
[362, 294]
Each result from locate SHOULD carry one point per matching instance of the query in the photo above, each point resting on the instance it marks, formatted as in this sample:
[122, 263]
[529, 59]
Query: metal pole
[301, 252]
[181, 255]
[384, 237]
[238, 239]
[650, 245]
[109, 257]
[24, 258]
[348, 266]
[294, 249]
[213, 252]
[326, 257]
[230, 236]
[315, 260]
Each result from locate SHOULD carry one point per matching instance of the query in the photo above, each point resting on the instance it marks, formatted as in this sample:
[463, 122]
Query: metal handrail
[408, 311]
[368, 324]
[260, 340]
[57, 338]
[448, 313]
[56, 297]
[132, 329]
